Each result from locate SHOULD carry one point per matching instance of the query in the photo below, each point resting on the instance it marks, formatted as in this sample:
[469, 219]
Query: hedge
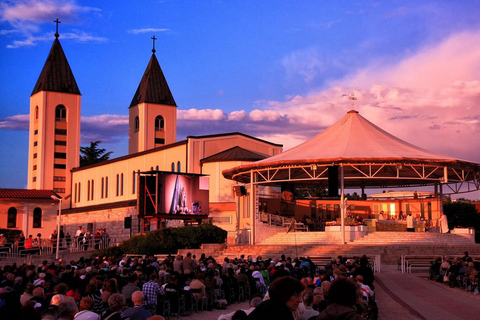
[168, 240]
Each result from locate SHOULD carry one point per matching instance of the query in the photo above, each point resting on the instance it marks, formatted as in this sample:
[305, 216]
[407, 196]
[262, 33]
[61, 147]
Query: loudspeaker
[127, 222]
[240, 191]
[333, 181]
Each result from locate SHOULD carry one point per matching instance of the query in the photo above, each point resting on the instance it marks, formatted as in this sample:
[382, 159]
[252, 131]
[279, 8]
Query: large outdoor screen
[175, 194]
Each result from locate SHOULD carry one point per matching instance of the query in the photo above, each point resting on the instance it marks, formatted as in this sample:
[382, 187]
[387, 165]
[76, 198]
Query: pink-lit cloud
[430, 98]
[25, 16]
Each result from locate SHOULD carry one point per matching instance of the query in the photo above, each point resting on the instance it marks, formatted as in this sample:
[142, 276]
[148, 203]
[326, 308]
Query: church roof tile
[153, 87]
[56, 74]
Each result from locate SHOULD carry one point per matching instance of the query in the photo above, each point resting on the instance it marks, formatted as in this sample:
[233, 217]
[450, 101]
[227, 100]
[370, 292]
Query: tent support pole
[342, 204]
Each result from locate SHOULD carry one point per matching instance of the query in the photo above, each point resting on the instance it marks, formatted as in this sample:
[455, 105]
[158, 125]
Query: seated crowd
[462, 272]
[148, 288]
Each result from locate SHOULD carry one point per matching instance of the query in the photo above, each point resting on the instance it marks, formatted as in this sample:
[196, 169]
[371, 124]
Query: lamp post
[59, 217]
[59, 199]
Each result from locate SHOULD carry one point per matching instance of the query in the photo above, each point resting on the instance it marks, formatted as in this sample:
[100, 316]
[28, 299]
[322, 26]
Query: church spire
[153, 87]
[56, 74]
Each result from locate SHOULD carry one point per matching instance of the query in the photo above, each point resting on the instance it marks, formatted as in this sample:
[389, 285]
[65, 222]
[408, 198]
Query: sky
[277, 70]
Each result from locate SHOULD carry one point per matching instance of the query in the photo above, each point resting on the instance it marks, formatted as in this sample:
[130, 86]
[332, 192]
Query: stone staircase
[389, 245]
[300, 238]
[412, 238]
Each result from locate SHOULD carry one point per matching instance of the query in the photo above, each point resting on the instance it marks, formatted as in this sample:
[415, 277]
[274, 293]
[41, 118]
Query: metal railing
[45, 247]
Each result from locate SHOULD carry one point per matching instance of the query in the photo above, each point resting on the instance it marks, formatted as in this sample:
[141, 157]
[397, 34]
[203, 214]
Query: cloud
[26, 17]
[18, 122]
[304, 64]
[107, 128]
[147, 30]
[205, 114]
[429, 98]
[428, 101]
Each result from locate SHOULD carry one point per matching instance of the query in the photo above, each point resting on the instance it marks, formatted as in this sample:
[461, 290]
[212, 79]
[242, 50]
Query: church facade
[105, 195]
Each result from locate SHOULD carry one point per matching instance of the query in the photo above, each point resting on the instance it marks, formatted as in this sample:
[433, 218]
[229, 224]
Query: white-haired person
[137, 312]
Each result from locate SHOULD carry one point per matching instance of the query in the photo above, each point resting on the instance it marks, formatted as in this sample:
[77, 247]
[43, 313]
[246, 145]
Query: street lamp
[59, 217]
[59, 199]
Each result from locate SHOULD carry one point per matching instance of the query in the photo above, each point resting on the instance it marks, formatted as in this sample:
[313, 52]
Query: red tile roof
[27, 194]
[235, 154]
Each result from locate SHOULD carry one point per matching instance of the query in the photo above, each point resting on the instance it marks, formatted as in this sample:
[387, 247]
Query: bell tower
[54, 138]
[153, 111]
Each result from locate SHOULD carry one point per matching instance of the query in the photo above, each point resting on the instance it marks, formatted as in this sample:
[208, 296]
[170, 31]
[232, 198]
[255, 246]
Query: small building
[31, 211]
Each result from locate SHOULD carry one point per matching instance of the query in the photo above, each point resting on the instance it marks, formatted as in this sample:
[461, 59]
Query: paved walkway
[412, 296]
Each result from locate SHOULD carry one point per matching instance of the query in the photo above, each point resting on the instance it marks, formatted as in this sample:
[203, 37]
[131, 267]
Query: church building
[106, 195]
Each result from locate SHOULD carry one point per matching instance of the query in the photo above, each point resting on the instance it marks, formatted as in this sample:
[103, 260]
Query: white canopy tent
[366, 157]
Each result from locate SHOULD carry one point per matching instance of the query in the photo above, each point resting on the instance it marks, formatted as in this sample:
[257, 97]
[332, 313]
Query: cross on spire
[56, 31]
[153, 38]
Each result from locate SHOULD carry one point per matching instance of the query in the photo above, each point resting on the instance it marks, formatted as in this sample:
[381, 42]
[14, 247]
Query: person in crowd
[67, 310]
[381, 216]
[254, 302]
[27, 294]
[188, 264]
[239, 315]
[198, 285]
[178, 264]
[284, 299]
[366, 290]
[86, 313]
[29, 243]
[137, 312]
[92, 291]
[116, 304]
[130, 287]
[307, 298]
[342, 297]
[151, 290]
[3, 240]
[410, 223]
[21, 242]
[443, 223]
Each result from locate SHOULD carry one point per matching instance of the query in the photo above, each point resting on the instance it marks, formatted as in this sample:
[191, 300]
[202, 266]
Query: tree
[462, 214]
[93, 154]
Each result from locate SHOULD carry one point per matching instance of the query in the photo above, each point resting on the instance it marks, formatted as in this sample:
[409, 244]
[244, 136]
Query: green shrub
[169, 240]
[11, 234]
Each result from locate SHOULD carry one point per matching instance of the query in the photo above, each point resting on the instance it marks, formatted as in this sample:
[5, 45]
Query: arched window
[156, 168]
[121, 184]
[60, 113]
[173, 166]
[36, 113]
[106, 187]
[102, 190]
[93, 189]
[79, 191]
[12, 217]
[134, 180]
[137, 124]
[179, 167]
[88, 190]
[118, 185]
[159, 123]
[37, 217]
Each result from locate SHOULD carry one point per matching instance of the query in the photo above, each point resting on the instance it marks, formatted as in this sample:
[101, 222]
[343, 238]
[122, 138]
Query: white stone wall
[111, 219]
